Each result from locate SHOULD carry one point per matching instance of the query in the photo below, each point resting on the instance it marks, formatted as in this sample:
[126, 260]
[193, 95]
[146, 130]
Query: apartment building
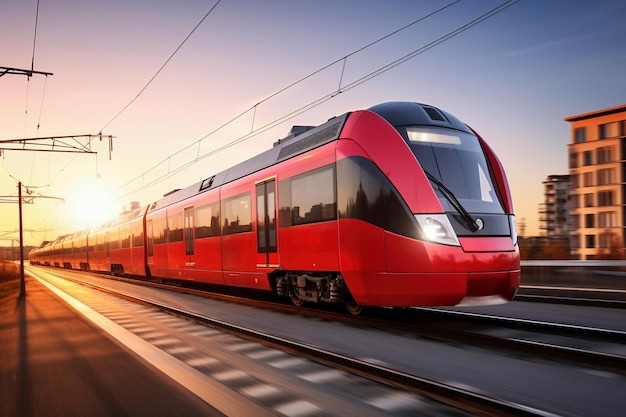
[554, 211]
[597, 174]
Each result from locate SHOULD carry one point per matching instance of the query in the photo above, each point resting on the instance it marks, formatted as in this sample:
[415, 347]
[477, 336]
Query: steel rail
[463, 399]
[389, 320]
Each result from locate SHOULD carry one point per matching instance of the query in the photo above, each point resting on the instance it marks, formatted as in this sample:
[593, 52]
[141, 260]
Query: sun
[90, 204]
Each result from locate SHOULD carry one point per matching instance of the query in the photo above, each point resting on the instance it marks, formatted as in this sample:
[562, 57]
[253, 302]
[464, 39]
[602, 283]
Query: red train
[398, 205]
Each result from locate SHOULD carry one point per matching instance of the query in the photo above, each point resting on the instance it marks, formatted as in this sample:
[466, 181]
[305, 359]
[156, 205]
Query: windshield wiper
[449, 195]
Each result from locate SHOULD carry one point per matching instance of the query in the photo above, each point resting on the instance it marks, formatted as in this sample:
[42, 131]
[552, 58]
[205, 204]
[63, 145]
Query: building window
[573, 159]
[605, 240]
[607, 219]
[590, 221]
[609, 130]
[588, 179]
[575, 241]
[590, 241]
[605, 198]
[605, 176]
[580, 135]
[588, 200]
[587, 158]
[602, 132]
[604, 154]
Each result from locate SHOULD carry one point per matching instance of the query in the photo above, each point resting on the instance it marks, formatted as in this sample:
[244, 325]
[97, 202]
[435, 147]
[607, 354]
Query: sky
[513, 77]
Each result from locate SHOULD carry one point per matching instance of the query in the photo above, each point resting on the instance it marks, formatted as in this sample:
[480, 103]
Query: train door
[189, 238]
[150, 242]
[267, 248]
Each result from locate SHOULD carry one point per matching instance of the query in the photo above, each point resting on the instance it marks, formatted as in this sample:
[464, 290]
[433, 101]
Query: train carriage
[77, 256]
[100, 248]
[125, 243]
[398, 205]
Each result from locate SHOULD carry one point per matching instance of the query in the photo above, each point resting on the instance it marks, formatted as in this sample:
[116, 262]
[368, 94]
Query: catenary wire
[142, 90]
[304, 108]
[32, 63]
[162, 66]
[293, 84]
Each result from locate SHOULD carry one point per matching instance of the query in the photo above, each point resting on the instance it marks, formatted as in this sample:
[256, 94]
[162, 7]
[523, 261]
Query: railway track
[460, 398]
[583, 346]
[586, 297]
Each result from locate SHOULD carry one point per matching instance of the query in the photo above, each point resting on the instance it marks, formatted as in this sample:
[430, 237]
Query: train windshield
[455, 159]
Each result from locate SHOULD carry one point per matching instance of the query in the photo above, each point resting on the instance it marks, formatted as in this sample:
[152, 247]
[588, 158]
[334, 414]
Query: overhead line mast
[67, 143]
[19, 71]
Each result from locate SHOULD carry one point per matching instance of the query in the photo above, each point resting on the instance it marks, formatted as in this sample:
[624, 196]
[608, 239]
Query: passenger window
[313, 196]
[237, 213]
[207, 221]
[175, 227]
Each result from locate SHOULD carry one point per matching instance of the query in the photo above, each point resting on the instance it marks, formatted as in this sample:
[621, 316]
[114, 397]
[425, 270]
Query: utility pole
[20, 201]
[22, 282]
[69, 143]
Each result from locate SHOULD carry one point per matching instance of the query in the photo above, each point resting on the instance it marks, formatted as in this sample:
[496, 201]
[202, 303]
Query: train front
[460, 245]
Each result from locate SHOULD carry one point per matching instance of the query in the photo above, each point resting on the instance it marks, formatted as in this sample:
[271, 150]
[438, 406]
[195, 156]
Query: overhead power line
[253, 108]
[32, 64]
[160, 69]
[254, 132]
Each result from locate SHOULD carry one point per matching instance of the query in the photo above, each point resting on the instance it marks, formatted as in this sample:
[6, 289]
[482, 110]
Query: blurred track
[466, 400]
[317, 328]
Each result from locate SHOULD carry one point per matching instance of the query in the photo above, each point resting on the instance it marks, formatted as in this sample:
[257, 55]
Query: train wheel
[353, 307]
[295, 299]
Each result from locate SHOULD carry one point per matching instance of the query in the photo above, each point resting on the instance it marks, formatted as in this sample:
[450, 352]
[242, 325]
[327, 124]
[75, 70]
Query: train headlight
[437, 229]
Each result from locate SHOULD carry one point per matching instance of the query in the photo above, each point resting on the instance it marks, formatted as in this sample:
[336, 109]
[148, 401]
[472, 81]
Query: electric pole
[22, 283]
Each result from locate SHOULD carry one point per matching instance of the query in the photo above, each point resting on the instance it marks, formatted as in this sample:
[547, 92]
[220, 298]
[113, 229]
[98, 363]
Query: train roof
[404, 113]
[300, 140]
[304, 138]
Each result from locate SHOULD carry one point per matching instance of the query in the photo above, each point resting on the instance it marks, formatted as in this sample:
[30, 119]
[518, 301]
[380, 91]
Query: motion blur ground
[53, 362]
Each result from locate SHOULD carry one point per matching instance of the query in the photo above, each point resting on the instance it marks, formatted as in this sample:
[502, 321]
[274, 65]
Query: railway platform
[54, 362]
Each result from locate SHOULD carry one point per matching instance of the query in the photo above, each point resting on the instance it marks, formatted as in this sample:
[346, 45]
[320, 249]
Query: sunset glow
[90, 205]
[513, 77]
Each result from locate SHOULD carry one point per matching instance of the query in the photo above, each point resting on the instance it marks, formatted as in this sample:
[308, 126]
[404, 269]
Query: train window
[137, 230]
[207, 221]
[115, 239]
[125, 235]
[457, 160]
[365, 193]
[237, 213]
[150, 233]
[284, 202]
[313, 196]
[175, 227]
[107, 243]
[159, 229]
[100, 243]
